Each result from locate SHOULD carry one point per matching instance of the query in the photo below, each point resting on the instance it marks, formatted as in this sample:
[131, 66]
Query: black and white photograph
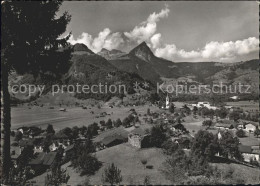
[129, 93]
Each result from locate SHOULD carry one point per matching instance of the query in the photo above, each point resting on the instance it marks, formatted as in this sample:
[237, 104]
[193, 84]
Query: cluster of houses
[34, 137]
[204, 104]
[247, 126]
[249, 152]
[138, 135]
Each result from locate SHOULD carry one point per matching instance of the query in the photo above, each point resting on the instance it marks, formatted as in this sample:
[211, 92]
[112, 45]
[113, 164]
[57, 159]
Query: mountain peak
[104, 50]
[80, 47]
[143, 52]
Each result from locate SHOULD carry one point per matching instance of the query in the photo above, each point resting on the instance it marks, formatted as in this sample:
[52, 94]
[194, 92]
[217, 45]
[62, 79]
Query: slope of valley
[140, 65]
[142, 61]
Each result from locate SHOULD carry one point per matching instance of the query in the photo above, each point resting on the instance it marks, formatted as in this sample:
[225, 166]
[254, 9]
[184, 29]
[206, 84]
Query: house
[30, 131]
[42, 161]
[204, 104]
[226, 124]
[250, 153]
[37, 149]
[62, 109]
[15, 154]
[183, 140]
[137, 138]
[24, 143]
[234, 97]
[55, 145]
[69, 150]
[113, 140]
[250, 127]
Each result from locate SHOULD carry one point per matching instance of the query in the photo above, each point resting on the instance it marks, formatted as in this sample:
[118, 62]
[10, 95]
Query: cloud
[154, 17]
[220, 51]
[84, 38]
[143, 32]
[105, 39]
[156, 40]
[99, 41]
[113, 41]
[147, 29]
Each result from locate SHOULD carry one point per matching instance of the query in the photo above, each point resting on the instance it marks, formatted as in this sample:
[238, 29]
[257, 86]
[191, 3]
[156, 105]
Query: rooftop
[109, 139]
[245, 149]
[44, 158]
[138, 131]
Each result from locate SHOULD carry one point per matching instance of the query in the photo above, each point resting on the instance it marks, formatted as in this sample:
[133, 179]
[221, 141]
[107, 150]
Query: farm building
[15, 154]
[110, 141]
[137, 137]
[42, 161]
[226, 124]
[250, 153]
[250, 127]
[69, 150]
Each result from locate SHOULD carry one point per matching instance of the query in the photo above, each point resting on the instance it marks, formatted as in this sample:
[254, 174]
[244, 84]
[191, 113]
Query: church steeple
[167, 102]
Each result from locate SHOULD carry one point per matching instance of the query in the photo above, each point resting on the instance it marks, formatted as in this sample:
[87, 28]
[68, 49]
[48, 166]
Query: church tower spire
[167, 102]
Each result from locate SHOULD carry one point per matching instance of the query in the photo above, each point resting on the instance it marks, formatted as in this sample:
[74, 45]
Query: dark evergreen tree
[50, 129]
[30, 43]
[112, 175]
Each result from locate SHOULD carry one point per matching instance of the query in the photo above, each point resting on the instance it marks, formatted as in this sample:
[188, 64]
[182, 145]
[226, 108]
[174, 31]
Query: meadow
[245, 105]
[74, 116]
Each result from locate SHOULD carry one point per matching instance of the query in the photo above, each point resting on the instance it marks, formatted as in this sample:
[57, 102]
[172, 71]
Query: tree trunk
[5, 124]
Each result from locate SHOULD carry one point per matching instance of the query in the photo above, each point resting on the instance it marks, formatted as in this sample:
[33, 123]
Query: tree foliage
[257, 131]
[118, 123]
[204, 145]
[29, 46]
[50, 129]
[228, 146]
[57, 176]
[18, 136]
[240, 133]
[30, 43]
[207, 123]
[158, 136]
[112, 175]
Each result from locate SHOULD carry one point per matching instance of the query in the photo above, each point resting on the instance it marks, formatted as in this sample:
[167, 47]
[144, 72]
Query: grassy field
[128, 160]
[74, 116]
[245, 105]
[248, 174]
[250, 140]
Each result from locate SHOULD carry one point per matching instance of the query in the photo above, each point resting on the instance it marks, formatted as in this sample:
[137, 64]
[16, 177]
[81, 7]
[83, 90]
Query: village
[179, 123]
[129, 93]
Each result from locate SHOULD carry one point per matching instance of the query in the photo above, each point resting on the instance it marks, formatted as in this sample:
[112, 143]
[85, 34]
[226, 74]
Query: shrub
[240, 133]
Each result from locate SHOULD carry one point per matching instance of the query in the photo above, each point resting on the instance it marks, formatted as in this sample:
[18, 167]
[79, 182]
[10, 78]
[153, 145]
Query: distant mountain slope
[109, 55]
[142, 61]
[140, 65]
[93, 69]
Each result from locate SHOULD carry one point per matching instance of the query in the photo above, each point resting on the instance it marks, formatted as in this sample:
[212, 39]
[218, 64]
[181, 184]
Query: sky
[177, 31]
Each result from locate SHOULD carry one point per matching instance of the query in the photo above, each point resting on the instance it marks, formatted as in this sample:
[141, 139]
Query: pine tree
[112, 175]
[57, 176]
[50, 129]
[29, 44]
[172, 108]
